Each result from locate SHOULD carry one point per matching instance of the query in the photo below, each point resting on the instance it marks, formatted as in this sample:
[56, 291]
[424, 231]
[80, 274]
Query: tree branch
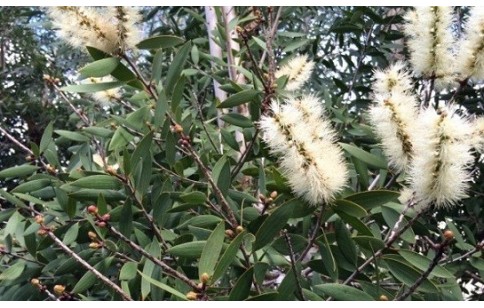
[100, 276]
[293, 264]
[314, 234]
[432, 265]
[168, 270]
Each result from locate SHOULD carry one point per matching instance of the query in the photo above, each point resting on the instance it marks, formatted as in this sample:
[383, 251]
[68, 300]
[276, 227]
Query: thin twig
[392, 180]
[166, 268]
[244, 155]
[273, 33]
[19, 144]
[20, 257]
[420, 280]
[96, 273]
[360, 59]
[474, 276]
[218, 193]
[202, 120]
[378, 253]
[314, 234]
[373, 183]
[476, 249]
[293, 265]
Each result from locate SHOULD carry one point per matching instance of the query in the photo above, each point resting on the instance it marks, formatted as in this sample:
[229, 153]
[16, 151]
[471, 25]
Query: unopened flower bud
[92, 235]
[106, 217]
[39, 219]
[192, 296]
[239, 229]
[101, 224]
[273, 194]
[383, 297]
[59, 289]
[448, 235]
[94, 245]
[229, 233]
[205, 278]
[35, 282]
[111, 170]
[177, 128]
[92, 209]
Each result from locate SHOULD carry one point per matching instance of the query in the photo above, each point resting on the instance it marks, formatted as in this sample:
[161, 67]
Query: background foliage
[169, 190]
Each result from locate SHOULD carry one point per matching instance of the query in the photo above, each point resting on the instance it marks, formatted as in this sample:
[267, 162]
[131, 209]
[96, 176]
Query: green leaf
[295, 44]
[273, 224]
[46, 137]
[422, 263]
[221, 175]
[99, 68]
[194, 197]
[188, 250]
[298, 244]
[202, 221]
[98, 131]
[391, 217]
[98, 182]
[89, 279]
[373, 198]
[345, 242]
[18, 171]
[128, 271]
[369, 242]
[92, 87]
[32, 186]
[195, 54]
[72, 135]
[211, 251]
[408, 275]
[241, 289]
[120, 138]
[160, 41]
[228, 256]
[13, 272]
[239, 98]
[364, 156]
[163, 286]
[126, 220]
[349, 208]
[356, 223]
[71, 234]
[237, 119]
[176, 67]
[328, 260]
[342, 292]
[88, 194]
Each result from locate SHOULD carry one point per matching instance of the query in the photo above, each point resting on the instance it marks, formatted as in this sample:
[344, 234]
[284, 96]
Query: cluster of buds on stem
[101, 220]
[43, 229]
[95, 242]
[267, 201]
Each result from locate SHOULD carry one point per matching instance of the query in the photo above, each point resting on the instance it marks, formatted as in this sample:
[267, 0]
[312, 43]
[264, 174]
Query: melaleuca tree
[254, 153]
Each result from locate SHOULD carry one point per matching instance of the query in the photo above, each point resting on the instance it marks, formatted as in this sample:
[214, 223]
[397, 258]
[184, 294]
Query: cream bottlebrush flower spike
[393, 114]
[470, 58]
[110, 30]
[298, 70]
[394, 78]
[477, 137]
[429, 41]
[440, 168]
[303, 139]
[126, 19]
